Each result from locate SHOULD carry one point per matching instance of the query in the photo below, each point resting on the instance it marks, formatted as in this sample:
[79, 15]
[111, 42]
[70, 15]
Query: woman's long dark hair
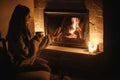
[17, 25]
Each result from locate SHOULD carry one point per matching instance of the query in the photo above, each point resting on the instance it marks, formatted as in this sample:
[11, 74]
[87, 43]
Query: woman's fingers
[59, 34]
[57, 31]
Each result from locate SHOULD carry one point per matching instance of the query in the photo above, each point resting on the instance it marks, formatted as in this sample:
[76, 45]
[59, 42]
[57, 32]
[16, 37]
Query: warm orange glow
[39, 27]
[93, 47]
[39, 20]
[74, 27]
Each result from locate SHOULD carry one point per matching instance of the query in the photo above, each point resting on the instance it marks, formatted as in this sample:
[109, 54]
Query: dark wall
[111, 32]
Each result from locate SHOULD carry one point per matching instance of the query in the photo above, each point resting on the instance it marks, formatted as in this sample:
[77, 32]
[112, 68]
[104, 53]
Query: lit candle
[95, 46]
[92, 47]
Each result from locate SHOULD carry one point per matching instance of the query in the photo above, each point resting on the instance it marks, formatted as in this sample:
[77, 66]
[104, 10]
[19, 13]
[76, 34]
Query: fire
[75, 29]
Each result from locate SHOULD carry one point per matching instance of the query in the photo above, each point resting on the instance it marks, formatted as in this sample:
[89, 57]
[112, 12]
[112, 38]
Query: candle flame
[92, 47]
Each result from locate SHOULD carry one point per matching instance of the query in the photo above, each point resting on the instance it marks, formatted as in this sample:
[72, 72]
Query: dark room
[59, 40]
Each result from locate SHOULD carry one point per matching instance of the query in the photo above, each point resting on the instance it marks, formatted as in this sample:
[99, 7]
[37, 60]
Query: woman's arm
[48, 39]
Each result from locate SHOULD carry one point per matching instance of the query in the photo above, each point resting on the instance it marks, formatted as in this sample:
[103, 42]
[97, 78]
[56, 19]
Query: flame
[92, 47]
[74, 27]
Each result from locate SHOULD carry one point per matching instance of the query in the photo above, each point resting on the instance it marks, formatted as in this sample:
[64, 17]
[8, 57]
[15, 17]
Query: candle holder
[93, 48]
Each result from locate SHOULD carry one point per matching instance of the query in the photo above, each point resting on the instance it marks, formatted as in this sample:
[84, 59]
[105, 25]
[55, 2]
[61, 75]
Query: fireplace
[74, 25]
[50, 14]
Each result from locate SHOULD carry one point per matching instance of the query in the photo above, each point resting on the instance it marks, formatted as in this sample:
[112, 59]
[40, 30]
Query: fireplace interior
[81, 22]
[74, 27]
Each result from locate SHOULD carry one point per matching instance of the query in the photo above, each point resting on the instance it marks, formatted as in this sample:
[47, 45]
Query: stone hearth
[95, 15]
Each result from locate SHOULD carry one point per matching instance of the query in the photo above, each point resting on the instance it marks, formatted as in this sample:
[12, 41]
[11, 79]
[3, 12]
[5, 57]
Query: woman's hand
[57, 33]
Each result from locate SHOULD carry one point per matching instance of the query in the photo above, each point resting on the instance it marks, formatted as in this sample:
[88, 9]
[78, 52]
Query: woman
[22, 47]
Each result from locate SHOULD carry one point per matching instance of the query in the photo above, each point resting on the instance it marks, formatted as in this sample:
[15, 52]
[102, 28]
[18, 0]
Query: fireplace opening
[75, 27]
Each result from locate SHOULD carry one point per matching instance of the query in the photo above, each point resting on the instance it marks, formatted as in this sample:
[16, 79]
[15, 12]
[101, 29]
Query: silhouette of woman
[23, 48]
